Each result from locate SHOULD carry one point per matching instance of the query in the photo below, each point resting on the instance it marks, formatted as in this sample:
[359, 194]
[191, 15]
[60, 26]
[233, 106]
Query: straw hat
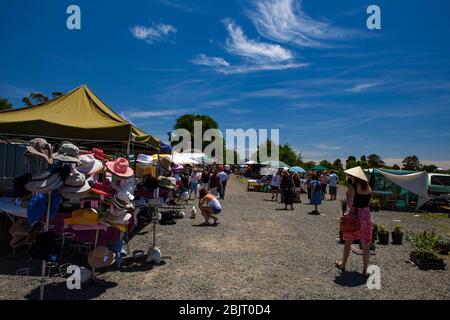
[118, 217]
[120, 168]
[357, 172]
[166, 183]
[144, 159]
[84, 217]
[101, 257]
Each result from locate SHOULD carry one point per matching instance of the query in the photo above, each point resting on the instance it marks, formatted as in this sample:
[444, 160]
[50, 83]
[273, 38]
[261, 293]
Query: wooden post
[44, 262]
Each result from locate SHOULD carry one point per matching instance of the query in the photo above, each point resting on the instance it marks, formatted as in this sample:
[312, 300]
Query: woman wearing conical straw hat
[358, 197]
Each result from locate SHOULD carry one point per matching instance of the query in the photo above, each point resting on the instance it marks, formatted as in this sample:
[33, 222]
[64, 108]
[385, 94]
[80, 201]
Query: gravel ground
[257, 252]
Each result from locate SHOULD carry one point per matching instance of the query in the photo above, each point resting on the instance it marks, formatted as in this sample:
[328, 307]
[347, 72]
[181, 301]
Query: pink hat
[120, 167]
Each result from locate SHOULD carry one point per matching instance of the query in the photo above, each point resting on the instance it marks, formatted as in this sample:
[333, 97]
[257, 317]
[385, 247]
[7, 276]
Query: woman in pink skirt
[358, 197]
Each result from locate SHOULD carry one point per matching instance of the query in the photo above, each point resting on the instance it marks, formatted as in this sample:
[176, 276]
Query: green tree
[396, 167]
[363, 162]
[187, 122]
[411, 163]
[429, 168]
[337, 165]
[351, 162]
[35, 98]
[326, 164]
[308, 165]
[5, 104]
[289, 156]
[375, 161]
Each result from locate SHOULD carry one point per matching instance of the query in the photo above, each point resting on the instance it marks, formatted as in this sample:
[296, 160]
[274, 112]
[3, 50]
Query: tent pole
[44, 262]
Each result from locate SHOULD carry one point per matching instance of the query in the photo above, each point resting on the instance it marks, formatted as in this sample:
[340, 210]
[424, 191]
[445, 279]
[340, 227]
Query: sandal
[205, 224]
[216, 223]
[338, 264]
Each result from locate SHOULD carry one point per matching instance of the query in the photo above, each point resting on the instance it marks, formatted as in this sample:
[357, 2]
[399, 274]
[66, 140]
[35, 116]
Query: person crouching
[209, 207]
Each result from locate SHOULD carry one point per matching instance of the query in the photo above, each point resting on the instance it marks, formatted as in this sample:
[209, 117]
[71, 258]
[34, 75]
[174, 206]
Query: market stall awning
[413, 182]
[77, 115]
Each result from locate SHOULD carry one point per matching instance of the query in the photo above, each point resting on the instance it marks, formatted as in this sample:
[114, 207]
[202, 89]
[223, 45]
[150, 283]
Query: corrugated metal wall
[12, 162]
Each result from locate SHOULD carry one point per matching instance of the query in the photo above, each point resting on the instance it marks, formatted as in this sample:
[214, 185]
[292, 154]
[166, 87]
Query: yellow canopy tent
[77, 115]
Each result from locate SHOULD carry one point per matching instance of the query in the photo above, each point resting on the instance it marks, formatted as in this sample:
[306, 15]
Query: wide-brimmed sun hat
[98, 154]
[44, 182]
[165, 182]
[120, 167]
[101, 257]
[67, 152]
[103, 188]
[143, 158]
[83, 216]
[89, 164]
[165, 162]
[357, 172]
[118, 217]
[39, 147]
[75, 183]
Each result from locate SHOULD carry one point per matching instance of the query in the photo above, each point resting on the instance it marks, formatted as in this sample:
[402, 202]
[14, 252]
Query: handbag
[350, 222]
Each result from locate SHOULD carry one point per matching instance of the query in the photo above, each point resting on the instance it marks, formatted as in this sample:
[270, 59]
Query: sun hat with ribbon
[44, 182]
[165, 162]
[39, 147]
[83, 216]
[89, 164]
[101, 257]
[357, 172]
[75, 183]
[67, 152]
[118, 217]
[120, 167]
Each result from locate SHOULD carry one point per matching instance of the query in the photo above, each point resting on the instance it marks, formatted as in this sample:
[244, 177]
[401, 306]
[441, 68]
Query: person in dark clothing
[151, 184]
[287, 186]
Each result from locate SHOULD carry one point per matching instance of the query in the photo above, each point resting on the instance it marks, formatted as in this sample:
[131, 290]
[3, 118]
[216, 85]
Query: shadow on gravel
[350, 279]
[59, 291]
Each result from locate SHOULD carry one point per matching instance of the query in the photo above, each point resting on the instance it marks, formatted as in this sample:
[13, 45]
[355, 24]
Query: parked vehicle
[439, 187]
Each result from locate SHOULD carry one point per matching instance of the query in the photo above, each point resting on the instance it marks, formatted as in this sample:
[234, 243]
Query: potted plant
[424, 253]
[443, 244]
[397, 235]
[383, 235]
[374, 205]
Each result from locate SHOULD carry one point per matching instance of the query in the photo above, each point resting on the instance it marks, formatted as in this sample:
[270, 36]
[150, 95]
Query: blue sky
[310, 68]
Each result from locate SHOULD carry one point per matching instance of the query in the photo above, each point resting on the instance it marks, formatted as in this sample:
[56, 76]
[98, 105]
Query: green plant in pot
[397, 235]
[424, 253]
[374, 205]
[383, 235]
[443, 244]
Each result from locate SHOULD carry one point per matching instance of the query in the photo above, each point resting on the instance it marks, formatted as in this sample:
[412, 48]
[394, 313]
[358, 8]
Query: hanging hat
[89, 164]
[83, 216]
[118, 217]
[39, 147]
[164, 182]
[74, 198]
[103, 188]
[44, 182]
[98, 154]
[120, 167]
[357, 172]
[121, 201]
[67, 152]
[75, 183]
[101, 257]
[143, 158]
[165, 162]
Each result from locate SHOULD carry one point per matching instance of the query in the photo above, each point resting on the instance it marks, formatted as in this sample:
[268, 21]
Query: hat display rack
[89, 180]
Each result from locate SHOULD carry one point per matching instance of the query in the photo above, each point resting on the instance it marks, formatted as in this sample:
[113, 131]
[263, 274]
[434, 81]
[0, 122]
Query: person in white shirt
[223, 176]
[332, 182]
[275, 184]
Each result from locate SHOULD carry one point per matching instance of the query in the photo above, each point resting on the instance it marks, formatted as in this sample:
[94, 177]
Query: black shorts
[274, 188]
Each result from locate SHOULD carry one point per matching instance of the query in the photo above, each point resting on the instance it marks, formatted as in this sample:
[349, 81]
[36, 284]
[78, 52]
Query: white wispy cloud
[285, 21]
[260, 52]
[322, 146]
[151, 34]
[149, 114]
[256, 55]
[204, 60]
[238, 111]
[361, 87]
